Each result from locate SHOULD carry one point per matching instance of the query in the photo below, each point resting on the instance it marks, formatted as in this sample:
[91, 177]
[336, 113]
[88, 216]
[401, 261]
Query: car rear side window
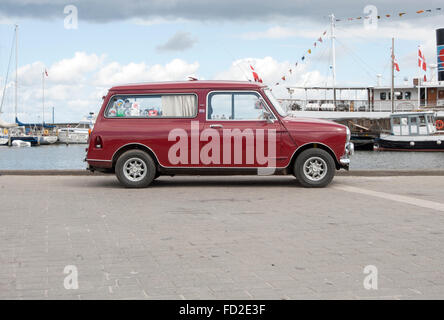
[152, 106]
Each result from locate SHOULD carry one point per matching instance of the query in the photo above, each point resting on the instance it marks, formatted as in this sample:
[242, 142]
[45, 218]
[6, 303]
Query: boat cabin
[413, 124]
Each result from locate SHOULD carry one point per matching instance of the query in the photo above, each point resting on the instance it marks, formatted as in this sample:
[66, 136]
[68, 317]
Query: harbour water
[71, 157]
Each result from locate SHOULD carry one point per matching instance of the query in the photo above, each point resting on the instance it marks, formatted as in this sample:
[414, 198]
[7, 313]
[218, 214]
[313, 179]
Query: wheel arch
[134, 146]
[313, 145]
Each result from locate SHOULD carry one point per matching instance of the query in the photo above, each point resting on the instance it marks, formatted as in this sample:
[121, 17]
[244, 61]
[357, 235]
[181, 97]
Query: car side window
[152, 106]
[236, 106]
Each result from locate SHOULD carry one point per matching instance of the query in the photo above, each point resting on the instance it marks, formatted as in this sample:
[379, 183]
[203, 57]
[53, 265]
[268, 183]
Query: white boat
[44, 140]
[20, 143]
[79, 133]
[412, 131]
[3, 141]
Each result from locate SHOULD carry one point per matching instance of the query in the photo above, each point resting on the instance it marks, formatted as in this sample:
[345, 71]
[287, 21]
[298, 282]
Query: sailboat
[35, 134]
[4, 126]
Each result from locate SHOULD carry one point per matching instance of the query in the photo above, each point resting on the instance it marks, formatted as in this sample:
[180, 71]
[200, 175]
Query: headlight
[348, 134]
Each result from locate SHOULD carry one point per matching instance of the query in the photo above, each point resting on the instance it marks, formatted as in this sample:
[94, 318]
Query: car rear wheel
[314, 168]
[135, 169]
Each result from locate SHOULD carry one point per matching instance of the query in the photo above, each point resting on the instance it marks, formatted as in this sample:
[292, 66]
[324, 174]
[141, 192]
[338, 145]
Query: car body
[210, 127]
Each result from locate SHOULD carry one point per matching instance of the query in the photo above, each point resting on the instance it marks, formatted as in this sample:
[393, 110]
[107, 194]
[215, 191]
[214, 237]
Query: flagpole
[333, 55]
[419, 79]
[16, 67]
[43, 99]
[392, 90]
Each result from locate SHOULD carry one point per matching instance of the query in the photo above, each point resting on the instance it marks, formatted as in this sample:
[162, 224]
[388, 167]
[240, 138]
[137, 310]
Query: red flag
[419, 57]
[320, 39]
[396, 65]
[283, 78]
[46, 72]
[255, 75]
[421, 60]
[425, 78]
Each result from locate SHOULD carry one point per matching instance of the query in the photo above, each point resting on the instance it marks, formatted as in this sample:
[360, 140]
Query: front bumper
[345, 159]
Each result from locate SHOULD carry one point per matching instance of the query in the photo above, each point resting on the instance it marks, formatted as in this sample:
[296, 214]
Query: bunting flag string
[400, 14]
[318, 42]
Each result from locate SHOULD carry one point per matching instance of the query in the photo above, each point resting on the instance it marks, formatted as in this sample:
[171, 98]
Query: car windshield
[275, 103]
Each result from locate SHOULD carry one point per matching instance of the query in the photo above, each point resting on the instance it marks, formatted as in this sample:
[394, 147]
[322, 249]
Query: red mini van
[144, 131]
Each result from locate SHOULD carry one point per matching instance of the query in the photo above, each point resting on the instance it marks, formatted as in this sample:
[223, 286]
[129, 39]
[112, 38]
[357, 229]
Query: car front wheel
[314, 168]
[135, 169]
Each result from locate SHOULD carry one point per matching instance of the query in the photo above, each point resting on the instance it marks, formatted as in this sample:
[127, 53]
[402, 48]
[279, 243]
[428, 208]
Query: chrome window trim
[238, 91]
[153, 94]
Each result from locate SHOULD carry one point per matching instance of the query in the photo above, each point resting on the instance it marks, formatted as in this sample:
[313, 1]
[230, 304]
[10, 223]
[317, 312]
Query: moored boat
[413, 131]
[78, 134]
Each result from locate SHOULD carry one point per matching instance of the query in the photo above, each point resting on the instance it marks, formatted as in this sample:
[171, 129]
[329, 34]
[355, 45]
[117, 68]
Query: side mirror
[268, 117]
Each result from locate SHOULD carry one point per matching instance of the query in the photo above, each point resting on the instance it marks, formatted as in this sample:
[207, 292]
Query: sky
[117, 42]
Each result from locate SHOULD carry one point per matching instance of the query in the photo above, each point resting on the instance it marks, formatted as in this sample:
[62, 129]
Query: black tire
[322, 161]
[143, 162]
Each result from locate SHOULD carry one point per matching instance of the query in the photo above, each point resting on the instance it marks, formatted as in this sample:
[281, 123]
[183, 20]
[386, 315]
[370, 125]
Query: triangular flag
[420, 11]
[283, 78]
[325, 32]
[303, 58]
[309, 51]
[402, 13]
[320, 39]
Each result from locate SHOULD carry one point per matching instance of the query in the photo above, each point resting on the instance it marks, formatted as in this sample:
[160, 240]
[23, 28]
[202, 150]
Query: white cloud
[67, 71]
[115, 73]
[271, 71]
[75, 69]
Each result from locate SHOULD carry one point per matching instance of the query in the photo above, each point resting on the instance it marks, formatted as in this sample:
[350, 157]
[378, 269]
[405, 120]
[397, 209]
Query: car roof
[192, 84]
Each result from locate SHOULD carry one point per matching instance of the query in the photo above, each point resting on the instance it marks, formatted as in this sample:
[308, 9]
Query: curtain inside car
[179, 105]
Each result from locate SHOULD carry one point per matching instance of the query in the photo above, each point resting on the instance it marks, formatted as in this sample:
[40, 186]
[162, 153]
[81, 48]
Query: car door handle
[216, 126]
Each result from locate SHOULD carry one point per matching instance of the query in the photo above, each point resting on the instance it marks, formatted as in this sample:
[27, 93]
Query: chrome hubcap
[134, 169]
[315, 168]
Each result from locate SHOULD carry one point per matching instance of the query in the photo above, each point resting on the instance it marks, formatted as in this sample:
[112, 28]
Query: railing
[350, 105]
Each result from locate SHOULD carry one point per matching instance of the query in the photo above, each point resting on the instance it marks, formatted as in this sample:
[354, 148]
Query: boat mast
[43, 99]
[392, 90]
[16, 67]
[419, 83]
[333, 55]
